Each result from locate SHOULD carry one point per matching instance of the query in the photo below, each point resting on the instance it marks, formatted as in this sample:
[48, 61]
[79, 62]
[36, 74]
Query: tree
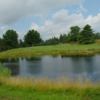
[73, 34]
[10, 39]
[2, 46]
[32, 38]
[63, 38]
[97, 35]
[21, 43]
[52, 41]
[86, 35]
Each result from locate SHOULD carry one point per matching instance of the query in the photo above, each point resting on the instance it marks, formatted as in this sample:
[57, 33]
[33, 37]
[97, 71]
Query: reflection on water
[55, 67]
[29, 67]
[12, 64]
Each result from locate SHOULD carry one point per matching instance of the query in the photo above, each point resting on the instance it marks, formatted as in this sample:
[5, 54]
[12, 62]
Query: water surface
[74, 68]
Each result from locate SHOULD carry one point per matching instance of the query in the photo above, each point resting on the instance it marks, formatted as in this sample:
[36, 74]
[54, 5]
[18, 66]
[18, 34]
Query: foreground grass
[21, 89]
[61, 49]
[13, 93]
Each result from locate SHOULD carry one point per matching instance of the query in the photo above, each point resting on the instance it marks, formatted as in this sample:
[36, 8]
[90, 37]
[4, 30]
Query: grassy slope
[12, 93]
[61, 49]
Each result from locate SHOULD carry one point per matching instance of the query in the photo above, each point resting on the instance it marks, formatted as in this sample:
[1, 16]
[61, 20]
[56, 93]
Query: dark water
[56, 67]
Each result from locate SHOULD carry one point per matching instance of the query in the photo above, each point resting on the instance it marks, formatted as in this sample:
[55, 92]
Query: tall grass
[17, 88]
[46, 84]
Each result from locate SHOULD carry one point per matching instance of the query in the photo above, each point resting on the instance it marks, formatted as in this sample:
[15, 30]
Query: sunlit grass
[61, 49]
[46, 84]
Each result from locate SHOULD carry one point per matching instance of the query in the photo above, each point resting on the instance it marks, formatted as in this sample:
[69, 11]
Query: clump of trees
[86, 35]
[82, 36]
[51, 41]
[10, 40]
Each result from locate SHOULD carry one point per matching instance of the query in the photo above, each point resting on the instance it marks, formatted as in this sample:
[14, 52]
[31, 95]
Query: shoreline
[67, 50]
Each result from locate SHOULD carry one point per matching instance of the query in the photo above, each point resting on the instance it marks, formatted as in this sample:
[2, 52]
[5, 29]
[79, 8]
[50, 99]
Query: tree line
[10, 40]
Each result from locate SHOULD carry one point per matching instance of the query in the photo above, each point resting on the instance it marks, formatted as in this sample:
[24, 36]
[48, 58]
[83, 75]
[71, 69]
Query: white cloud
[12, 10]
[94, 21]
[2, 30]
[82, 9]
[62, 20]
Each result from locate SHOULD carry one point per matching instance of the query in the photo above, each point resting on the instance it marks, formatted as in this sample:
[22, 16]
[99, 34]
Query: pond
[53, 67]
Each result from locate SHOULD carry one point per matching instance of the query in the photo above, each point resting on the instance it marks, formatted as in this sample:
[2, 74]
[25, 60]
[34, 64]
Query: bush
[4, 72]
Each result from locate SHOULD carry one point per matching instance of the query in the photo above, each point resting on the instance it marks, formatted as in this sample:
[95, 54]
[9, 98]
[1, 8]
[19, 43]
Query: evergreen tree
[73, 34]
[52, 41]
[86, 35]
[63, 38]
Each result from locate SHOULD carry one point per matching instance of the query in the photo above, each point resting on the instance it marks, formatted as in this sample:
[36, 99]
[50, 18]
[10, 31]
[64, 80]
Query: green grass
[61, 49]
[21, 89]
[13, 93]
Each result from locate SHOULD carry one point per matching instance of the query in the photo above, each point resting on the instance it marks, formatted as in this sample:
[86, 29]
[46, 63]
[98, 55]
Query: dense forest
[78, 35]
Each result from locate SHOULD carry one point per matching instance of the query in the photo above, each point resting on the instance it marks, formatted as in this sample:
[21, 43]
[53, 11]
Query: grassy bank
[61, 49]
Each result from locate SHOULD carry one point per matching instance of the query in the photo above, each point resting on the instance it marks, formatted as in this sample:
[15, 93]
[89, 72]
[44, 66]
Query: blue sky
[92, 6]
[50, 18]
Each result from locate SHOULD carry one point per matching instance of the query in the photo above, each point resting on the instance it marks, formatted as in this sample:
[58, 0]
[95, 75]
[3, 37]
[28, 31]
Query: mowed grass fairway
[61, 49]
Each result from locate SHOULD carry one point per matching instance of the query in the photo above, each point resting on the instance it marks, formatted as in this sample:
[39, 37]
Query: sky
[49, 17]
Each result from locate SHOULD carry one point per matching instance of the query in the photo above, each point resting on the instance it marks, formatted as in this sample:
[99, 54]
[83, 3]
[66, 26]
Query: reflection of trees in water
[81, 63]
[12, 60]
[14, 67]
[76, 64]
[35, 68]
[32, 64]
[33, 58]
[89, 65]
[83, 68]
[63, 56]
[12, 64]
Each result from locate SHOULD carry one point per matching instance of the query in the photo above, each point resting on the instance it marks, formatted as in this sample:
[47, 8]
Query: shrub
[4, 72]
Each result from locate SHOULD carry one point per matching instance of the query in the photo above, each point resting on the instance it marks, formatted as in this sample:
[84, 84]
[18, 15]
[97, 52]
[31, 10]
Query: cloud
[2, 30]
[13, 10]
[62, 20]
[94, 21]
